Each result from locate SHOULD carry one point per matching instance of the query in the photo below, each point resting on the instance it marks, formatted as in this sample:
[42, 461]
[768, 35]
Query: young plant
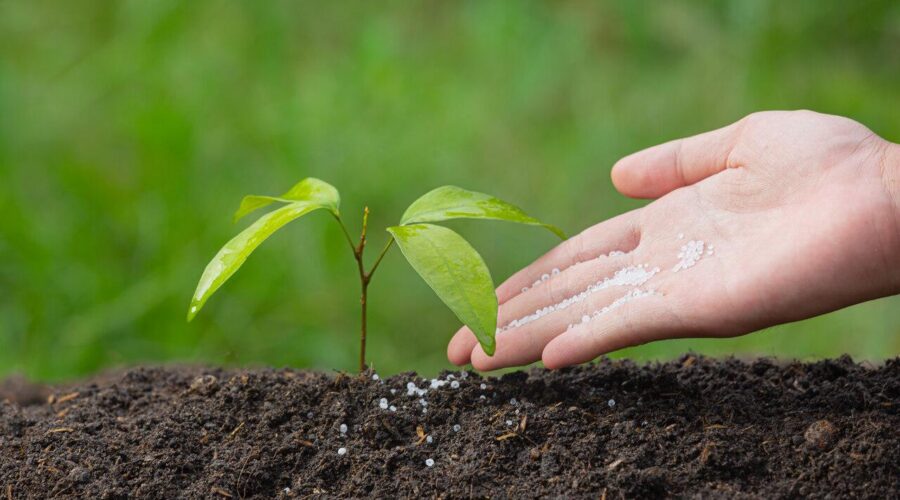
[450, 266]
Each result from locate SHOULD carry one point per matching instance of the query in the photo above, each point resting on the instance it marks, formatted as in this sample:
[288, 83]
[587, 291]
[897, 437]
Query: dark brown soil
[696, 427]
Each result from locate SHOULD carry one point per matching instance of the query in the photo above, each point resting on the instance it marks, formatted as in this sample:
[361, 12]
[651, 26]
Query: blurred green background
[130, 130]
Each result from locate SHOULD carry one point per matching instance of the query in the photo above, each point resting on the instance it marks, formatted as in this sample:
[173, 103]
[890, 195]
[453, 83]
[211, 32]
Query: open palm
[778, 217]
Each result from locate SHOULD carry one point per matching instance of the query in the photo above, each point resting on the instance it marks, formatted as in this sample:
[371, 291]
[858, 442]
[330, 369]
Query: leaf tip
[557, 231]
[192, 311]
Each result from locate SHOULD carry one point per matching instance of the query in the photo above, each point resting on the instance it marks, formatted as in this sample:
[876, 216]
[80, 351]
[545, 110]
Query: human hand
[776, 218]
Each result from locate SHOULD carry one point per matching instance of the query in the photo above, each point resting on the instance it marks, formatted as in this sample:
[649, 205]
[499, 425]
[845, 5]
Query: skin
[803, 211]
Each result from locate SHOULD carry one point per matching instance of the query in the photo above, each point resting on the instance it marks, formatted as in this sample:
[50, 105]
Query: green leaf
[232, 256]
[456, 273]
[451, 202]
[309, 189]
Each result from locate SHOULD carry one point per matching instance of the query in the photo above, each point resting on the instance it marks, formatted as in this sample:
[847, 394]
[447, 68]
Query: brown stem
[362, 336]
[364, 285]
[364, 278]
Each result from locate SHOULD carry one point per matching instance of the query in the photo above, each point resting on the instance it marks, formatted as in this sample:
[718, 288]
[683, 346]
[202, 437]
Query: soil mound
[693, 427]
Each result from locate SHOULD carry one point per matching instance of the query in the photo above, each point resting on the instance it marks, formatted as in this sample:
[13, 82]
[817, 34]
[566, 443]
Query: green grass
[127, 130]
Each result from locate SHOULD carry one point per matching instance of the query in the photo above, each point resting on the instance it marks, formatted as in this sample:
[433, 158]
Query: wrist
[890, 173]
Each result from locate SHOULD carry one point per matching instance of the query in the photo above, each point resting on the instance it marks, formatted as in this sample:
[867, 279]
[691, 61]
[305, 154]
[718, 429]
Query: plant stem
[346, 233]
[362, 335]
[364, 285]
[364, 277]
[381, 256]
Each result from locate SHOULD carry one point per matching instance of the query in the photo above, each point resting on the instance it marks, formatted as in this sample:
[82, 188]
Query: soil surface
[696, 428]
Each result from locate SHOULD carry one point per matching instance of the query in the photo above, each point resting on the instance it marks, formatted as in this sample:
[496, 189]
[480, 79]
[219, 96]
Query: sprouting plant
[450, 266]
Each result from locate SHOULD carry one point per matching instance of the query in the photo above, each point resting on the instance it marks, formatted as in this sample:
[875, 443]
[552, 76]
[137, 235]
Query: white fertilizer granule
[611, 403]
[637, 293]
[556, 271]
[456, 427]
[343, 428]
[429, 462]
[689, 255]
[383, 404]
[627, 276]
[429, 439]
[454, 385]
[342, 451]
[413, 390]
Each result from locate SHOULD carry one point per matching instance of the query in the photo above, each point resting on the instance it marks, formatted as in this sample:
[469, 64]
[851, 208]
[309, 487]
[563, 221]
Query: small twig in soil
[420, 431]
[60, 429]
[705, 453]
[219, 491]
[241, 490]
[67, 397]
[519, 432]
[236, 430]
[56, 492]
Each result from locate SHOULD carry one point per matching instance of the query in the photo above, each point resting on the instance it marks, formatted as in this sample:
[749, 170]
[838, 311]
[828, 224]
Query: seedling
[447, 263]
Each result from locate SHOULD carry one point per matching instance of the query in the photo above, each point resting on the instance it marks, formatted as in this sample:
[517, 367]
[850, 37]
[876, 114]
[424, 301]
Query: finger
[637, 321]
[459, 350]
[620, 234]
[655, 171]
[524, 344]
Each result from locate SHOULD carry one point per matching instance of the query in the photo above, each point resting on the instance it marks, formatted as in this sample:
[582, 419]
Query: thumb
[655, 171]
